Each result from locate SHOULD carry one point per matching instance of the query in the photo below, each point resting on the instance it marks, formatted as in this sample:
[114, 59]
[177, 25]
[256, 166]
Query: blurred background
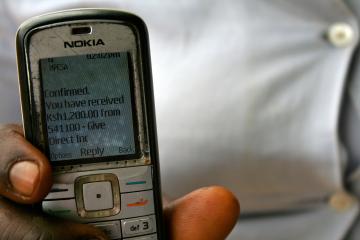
[260, 96]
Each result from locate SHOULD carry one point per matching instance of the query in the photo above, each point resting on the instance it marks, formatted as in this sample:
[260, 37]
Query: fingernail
[23, 177]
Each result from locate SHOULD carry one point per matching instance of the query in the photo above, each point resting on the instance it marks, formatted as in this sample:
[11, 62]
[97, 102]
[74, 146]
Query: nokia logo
[84, 43]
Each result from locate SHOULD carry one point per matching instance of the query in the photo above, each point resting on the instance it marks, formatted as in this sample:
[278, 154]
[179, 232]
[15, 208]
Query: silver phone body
[117, 195]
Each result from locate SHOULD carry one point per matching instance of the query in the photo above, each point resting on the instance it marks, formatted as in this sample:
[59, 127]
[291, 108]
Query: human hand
[25, 178]
[205, 214]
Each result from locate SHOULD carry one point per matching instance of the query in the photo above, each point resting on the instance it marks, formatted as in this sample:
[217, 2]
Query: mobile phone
[87, 103]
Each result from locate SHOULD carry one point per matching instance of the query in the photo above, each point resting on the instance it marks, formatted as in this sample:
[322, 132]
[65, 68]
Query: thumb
[25, 173]
[205, 214]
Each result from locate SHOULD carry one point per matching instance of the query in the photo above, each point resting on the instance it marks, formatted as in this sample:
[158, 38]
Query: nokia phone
[87, 103]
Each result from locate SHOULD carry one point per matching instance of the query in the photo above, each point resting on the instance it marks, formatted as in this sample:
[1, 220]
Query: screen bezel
[140, 135]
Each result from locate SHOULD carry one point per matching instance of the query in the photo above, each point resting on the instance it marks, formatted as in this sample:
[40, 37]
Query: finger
[205, 214]
[25, 173]
[15, 127]
[18, 222]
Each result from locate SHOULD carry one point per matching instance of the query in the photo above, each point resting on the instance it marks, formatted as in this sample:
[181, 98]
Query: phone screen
[88, 102]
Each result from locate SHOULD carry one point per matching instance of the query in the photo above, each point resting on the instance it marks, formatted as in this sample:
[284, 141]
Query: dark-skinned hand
[25, 178]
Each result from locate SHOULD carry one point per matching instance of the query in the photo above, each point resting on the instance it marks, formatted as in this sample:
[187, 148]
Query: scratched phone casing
[115, 190]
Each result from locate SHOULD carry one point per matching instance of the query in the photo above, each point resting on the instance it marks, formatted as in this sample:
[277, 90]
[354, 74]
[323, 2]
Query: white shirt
[248, 95]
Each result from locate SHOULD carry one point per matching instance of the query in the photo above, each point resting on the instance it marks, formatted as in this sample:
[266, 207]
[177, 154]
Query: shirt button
[341, 34]
[341, 201]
